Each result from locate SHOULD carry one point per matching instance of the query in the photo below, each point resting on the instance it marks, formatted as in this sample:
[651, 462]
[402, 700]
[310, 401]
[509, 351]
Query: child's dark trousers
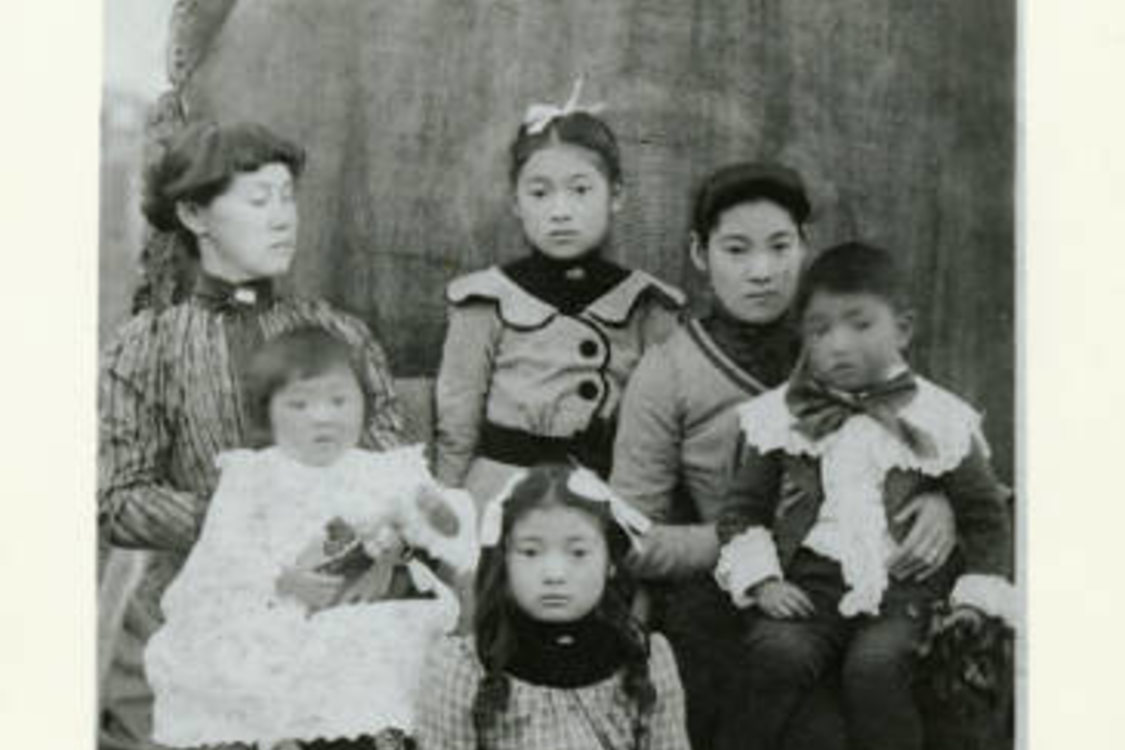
[874, 656]
[705, 631]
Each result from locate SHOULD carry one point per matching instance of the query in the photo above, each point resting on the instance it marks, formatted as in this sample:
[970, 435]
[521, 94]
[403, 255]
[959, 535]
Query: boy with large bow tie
[826, 464]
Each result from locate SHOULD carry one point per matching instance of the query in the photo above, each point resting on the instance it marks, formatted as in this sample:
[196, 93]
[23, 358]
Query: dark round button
[588, 390]
[588, 348]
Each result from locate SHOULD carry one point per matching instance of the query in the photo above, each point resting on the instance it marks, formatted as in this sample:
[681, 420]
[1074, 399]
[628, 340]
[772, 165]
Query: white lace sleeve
[746, 561]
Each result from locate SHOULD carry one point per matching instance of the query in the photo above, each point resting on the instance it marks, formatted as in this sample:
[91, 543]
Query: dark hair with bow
[854, 268]
[578, 128]
[495, 610]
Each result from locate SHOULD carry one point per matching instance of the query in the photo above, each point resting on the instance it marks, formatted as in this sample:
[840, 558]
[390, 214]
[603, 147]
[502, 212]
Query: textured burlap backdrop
[900, 114]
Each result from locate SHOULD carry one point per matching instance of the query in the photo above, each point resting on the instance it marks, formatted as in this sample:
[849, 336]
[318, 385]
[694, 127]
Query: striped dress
[170, 400]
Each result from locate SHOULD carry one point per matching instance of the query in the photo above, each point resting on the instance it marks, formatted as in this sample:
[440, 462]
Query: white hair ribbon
[587, 484]
[582, 482]
[492, 520]
[539, 116]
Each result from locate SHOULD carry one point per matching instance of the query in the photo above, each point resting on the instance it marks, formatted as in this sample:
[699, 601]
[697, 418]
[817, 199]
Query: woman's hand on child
[315, 590]
[782, 600]
[930, 540]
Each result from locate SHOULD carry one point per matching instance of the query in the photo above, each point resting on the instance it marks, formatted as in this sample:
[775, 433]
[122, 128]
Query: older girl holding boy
[678, 432]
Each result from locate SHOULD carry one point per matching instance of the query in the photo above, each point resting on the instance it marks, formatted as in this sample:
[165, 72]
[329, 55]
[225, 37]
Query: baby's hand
[339, 535]
[436, 511]
[382, 539]
[782, 600]
[315, 590]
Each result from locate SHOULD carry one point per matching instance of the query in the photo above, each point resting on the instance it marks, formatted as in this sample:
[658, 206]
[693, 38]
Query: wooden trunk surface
[899, 113]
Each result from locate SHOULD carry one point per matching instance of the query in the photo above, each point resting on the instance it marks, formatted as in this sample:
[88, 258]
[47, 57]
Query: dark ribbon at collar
[568, 285]
[223, 296]
[821, 410]
[766, 351]
[566, 654]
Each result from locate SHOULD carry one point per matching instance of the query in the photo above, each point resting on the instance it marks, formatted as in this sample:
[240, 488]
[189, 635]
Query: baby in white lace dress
[319, 580]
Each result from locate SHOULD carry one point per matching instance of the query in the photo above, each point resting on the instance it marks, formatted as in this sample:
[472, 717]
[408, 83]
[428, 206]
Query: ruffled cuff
[991, 594]
[745, 561]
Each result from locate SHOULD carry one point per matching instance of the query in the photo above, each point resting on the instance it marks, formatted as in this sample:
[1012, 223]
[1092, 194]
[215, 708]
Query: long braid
[493, 691]
[616, 610]
[495, 640]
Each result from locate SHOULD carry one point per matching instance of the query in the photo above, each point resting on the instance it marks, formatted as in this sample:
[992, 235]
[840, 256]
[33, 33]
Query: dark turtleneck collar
[224, 296]
[767, 351]
[565, 655]
[569, 285]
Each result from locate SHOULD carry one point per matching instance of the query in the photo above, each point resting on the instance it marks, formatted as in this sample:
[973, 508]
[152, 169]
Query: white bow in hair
[539, 116]
[581, 482]
[492, 519]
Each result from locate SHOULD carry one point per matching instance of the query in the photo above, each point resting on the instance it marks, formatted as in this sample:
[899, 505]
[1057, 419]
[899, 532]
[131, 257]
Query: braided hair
[545, 486]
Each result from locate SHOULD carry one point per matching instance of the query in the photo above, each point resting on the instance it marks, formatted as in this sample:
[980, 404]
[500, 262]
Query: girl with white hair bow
[538, 351]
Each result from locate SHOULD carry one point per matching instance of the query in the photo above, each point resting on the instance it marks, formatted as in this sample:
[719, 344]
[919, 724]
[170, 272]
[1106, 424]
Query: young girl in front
[538, 350]
[305, 610]
[828, 461]
[555, 662]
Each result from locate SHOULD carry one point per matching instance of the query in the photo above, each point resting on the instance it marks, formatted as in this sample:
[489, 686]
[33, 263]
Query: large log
[900, 113]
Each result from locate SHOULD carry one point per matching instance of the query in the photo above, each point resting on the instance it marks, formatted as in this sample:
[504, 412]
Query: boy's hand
[782, 600]
[930, 540]
[315, 590]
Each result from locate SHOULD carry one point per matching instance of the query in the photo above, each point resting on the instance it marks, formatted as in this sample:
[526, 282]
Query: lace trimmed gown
[237, 662]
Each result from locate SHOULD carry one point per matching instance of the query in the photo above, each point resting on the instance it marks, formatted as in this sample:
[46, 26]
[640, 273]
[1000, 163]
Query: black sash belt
[592, 447]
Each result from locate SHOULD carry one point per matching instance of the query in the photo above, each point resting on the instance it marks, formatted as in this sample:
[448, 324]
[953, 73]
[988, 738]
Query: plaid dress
[594, 717]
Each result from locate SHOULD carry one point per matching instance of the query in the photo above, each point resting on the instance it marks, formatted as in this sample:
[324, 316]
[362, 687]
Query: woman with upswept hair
[173, 379]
